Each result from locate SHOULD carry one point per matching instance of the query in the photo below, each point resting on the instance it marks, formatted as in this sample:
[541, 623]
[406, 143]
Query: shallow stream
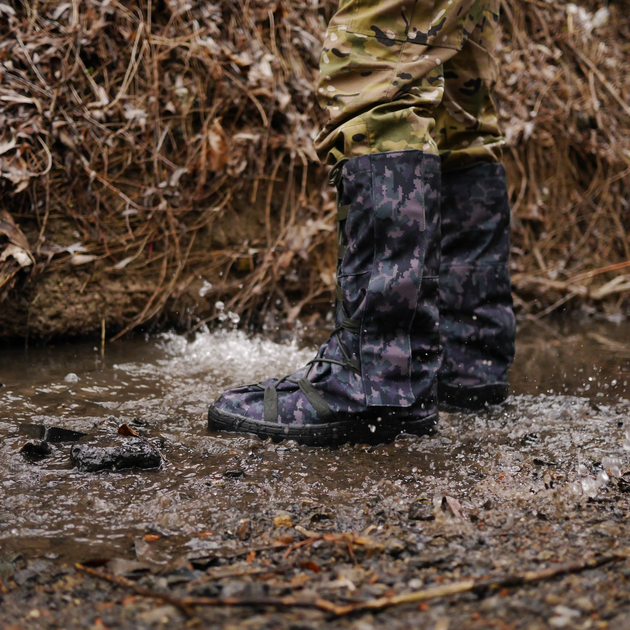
[563, 434]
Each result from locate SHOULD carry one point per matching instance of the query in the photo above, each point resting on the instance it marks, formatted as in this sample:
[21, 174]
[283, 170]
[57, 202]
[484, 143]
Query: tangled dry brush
[166, 147]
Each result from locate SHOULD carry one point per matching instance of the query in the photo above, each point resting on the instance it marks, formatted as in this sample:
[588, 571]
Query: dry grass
[173, 140]
[565, 106]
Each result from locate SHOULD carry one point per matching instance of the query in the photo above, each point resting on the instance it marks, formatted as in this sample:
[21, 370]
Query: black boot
[477, 326]
[364, 384]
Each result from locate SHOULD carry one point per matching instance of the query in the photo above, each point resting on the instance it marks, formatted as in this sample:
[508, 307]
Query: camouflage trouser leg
[477, 327]
[410, 74]
[467, 126]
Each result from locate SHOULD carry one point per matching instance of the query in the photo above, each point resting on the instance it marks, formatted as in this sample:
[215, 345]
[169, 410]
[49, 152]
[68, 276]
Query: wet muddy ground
[512, 508]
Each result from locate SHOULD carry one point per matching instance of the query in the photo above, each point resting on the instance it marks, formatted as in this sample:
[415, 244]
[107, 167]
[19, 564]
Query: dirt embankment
[158, 159]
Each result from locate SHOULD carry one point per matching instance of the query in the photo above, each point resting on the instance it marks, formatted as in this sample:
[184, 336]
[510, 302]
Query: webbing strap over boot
[270, 403]
[316, 399]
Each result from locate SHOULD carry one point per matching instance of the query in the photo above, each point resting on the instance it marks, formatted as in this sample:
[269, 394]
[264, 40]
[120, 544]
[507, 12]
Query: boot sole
[356, 429]
[475, 398]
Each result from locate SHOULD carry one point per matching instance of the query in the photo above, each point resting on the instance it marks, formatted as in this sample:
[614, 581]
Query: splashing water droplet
[602, 479]
[372, 428]
[590, 488]
[613, 466]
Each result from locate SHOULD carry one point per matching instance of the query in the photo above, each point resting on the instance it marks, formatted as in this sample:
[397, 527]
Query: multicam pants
[411, 74]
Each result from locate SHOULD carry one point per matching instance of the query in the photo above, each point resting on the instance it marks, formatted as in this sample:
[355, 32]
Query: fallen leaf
[127, 431]
[217, 146]
[300, 580]
[452, 505]
[311, 566]
[9, 229]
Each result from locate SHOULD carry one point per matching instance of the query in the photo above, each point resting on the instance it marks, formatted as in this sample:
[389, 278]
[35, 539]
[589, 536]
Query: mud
[533, 484]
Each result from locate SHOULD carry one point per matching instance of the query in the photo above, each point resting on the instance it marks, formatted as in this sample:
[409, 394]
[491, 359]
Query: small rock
[394, 547]
[322, 516]
[146, 553]
[421, 510]
[565, 611]
[451, 507]
[22, 576]
[54, 435]
[36, 449]
[162, 615]
[7, 570]
[132, 453]
[244, 529]
[585, 604]
[282, 520]
[375, 590]
[128, 568]
[491, 604]
[553, 600]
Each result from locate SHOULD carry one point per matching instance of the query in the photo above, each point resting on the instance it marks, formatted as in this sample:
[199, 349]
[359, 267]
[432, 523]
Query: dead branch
[508, 581]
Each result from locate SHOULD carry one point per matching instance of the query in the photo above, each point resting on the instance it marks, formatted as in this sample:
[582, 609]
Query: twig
[465, 586]
[597, 272]
[455, 588]
[605, 82]
[187, 603]
[552, 307]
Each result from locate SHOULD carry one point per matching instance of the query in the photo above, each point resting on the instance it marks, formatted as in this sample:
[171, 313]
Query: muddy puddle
[568, 408]
[559, 444]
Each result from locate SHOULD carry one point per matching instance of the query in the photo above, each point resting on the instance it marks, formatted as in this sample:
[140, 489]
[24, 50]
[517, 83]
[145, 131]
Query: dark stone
[421, 510]
[54, 435]
[23, 576]
[234, 473]
[394, 547]
[244, 529]
[132, 453]
[36, 449]
[206, 590]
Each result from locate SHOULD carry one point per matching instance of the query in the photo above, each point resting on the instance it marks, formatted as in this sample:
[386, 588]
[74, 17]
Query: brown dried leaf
[217, 146]
[9, 229]
[127, 431]
[449, 504]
